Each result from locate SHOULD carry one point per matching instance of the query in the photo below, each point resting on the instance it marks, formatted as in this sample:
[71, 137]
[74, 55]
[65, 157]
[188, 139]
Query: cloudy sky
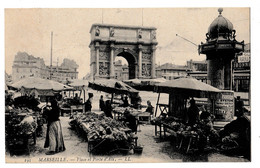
[29, 30]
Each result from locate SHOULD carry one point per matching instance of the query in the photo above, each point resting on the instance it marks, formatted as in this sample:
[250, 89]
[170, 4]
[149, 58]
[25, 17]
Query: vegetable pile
[98, 127]
[202, 128]
[18, 125]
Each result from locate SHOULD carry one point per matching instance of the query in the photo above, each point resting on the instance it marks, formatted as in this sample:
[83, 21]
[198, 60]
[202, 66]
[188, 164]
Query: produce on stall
[180, 90]
[104, 134]
[20, 127]
[23, 117]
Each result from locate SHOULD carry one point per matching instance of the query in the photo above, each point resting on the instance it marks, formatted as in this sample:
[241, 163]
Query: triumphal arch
[137, 44]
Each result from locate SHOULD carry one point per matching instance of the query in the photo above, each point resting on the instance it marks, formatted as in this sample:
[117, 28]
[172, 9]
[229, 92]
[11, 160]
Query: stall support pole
[112, 97]
[84, 95]
[80, 93]
[157, 104]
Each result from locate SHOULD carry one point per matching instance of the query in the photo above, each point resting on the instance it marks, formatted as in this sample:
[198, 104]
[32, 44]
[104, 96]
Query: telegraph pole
[51, 55]
[102, 16]
[142, 16]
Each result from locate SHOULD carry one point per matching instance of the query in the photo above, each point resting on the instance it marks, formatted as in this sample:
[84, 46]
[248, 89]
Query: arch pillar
[112, 69]
[97, 46]
[153, 61]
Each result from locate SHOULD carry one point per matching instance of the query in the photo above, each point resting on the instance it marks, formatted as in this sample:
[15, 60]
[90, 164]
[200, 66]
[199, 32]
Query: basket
[138, 150]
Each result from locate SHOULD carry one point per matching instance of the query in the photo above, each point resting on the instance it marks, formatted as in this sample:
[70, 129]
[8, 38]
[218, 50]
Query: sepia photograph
[127, 85]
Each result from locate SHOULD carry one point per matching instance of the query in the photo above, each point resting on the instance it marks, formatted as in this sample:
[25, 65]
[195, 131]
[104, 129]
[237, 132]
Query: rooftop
[122, 26]
[173, 67]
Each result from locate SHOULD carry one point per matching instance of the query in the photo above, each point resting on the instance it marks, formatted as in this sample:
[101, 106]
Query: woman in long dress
[54, 138]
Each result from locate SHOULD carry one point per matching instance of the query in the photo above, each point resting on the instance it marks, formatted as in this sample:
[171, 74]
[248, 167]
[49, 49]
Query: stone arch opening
[132, 63]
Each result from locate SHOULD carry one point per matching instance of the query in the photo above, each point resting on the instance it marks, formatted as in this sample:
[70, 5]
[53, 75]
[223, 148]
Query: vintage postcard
[127, 85]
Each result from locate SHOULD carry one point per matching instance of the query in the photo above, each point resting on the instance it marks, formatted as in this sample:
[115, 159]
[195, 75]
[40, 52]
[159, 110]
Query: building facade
[171, 71]
[198, 70]
[26, 65]
[121, 71]
[241, 70]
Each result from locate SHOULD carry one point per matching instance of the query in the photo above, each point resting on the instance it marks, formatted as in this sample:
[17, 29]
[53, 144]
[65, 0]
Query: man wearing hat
[88, 103]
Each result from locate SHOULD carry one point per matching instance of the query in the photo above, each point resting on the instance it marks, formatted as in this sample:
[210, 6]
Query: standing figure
[88, 103]
[101, 103]
[108, 109]
[125, 102]
[193, 112]
[54, 137]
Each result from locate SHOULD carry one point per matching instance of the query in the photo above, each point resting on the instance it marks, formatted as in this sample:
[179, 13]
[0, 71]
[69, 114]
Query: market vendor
[136, 101]
[88, 103]
[125, 102]
[193, 113]
[150, 108]
[108, 109]
[76, 99]
[101, 103]
[54, 138]
[130, 120]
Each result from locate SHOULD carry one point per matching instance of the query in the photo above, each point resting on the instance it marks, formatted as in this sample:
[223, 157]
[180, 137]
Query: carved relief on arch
[104, 48]
[103, 68]
[146, 70]
[103, 55]
[146, 55]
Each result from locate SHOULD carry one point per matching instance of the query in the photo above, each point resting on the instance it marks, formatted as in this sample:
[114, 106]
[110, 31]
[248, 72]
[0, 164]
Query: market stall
[79, 85]
[139, 114]
[112, 86]
[40, 88]
[104, 134]
[144, 84]
[115, 87]
[24, 117]
[120, 88]
[173, 118]
[22, 125]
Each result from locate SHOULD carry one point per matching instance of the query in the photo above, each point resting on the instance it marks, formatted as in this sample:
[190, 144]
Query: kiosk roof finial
[220, 10]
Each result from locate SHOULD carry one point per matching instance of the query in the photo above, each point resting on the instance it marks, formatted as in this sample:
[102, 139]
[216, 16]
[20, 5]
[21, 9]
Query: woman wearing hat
[88, 103]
